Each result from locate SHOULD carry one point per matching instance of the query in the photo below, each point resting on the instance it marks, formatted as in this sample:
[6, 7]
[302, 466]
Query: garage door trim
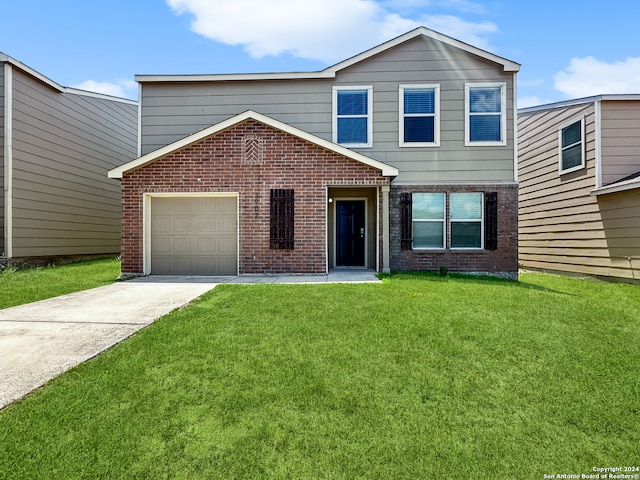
[146, 214]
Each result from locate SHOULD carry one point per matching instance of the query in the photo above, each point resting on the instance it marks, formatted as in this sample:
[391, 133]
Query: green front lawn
[32, 284]
[420, 377]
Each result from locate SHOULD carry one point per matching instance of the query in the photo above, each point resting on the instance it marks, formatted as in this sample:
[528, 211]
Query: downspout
[139, 120]
[8, 161]
[598, 146]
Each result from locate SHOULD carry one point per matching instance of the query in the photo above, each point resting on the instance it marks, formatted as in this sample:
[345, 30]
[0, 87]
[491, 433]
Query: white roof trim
[617, 187]
[581, 101]
[31, 71]
[330, 72]
[56, 86]
[387, 170]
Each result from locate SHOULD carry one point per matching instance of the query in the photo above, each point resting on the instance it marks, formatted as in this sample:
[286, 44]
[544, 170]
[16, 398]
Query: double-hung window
[419, 115]
[353, 116]
[571, 147]
[471, 218]
[485, 114]
[466, 220]
[428, 218]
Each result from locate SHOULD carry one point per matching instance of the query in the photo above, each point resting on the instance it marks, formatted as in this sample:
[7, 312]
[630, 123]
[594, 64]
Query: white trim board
[119, 172]
[331, 72]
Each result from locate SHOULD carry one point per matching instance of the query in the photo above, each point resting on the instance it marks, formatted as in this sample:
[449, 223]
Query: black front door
[350, 233]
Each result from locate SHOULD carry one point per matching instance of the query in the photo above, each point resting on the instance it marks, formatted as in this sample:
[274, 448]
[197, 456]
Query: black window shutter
[491, 220]
[281, 235]
[406, 235]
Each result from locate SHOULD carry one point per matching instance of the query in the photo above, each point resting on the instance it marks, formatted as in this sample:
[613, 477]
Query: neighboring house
[579, 164]
[400, 158]
[56, 145]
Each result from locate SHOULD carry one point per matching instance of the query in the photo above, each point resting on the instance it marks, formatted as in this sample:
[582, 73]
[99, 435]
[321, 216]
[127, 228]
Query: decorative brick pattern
[501, 262]
[251, 158]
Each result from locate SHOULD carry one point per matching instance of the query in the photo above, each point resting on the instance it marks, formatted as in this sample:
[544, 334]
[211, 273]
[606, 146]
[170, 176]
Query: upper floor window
[571, 146]
[352, 116]
[485, 114]
[419, 115]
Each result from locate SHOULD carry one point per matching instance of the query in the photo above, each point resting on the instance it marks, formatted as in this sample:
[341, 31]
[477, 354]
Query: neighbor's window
[428, 213]
[485, 114]
[466, 220]
[571, 147]
[419, 115]
[281, 234]
[352, 118]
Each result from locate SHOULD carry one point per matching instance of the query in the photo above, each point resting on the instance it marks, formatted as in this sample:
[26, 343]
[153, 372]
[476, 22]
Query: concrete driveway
[40, 340]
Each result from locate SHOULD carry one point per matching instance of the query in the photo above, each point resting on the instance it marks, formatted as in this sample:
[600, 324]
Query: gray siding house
[56, 145]
[433, 119]
[579, 164]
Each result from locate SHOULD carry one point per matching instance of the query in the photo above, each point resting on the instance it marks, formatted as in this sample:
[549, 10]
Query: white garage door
[194, 236]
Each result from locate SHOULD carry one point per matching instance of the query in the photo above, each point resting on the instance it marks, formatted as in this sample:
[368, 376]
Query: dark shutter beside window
[282, 219]
[491, 220]
[406, 236]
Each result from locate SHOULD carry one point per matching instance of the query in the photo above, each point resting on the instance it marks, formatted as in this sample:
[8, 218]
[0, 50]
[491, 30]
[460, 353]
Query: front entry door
[350, 233]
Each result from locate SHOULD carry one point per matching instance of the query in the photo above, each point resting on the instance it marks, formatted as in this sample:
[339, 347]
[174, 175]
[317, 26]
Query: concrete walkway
[41, 340]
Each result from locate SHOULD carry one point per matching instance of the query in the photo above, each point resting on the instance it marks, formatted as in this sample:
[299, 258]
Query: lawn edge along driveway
[41, 340]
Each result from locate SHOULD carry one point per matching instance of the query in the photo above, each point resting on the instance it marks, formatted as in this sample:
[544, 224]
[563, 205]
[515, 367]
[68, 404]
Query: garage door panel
[227, 246]
[161, 225]
[194, 236]
[182, 245]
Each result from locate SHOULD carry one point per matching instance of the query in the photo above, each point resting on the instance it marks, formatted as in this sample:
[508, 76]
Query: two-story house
[579, 164]
[56, 145]
[400, 158]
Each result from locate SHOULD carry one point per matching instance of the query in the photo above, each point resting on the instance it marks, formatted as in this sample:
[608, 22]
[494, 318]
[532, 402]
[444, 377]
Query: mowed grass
[32, 284]
[419, 377]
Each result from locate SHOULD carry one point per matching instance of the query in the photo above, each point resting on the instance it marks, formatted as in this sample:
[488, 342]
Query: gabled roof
[330, 72]
[387, 170]
[56, 86]
[581, 101]
[629, 182]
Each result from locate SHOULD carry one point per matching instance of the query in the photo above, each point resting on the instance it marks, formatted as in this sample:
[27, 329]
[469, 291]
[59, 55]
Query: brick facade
[250, 159]
[500, 262]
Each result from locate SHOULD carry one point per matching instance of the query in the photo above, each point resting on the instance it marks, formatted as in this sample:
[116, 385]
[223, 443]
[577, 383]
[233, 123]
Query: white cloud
[589, 76]
[124, 88]
[524, 102]
[464, 6]
[327, 30]
[469, 32]
[531, 82]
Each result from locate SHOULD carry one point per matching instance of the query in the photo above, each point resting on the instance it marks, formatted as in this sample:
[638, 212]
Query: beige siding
[63, 145]
[2, 194]
[563, 227]
[171, 111]
[620, 140]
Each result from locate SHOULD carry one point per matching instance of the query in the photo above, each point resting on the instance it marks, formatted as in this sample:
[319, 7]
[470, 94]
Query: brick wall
[502, 262]
[251, 159]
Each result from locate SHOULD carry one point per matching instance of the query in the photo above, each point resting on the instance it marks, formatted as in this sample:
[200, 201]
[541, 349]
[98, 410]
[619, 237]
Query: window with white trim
[472, 220]
[571, 147]
[352, 116]
[419, 115]
[485, 114]
[466, 218]
[428, 220]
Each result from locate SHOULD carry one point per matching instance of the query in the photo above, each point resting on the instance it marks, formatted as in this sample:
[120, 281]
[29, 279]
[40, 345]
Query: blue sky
[568, 49]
